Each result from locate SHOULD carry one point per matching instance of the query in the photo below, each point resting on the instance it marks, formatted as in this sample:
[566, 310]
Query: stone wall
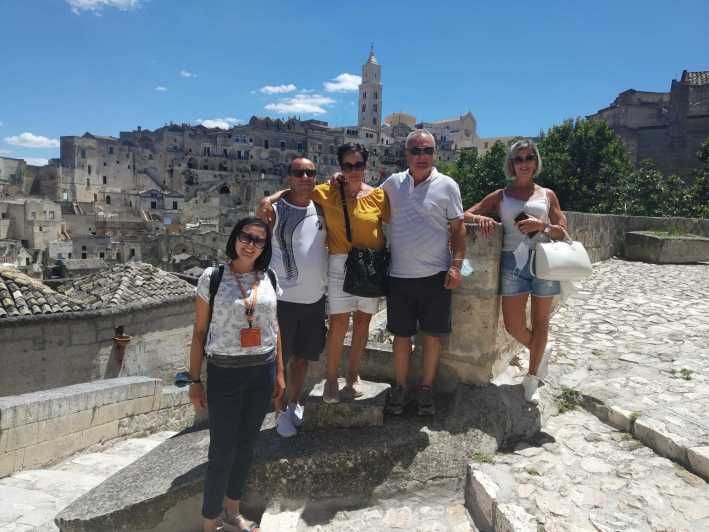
[48, 351]
[603, 235]
[37, 429]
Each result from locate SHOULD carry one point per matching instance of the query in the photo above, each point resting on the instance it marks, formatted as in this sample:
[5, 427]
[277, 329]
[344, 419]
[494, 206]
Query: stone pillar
[479, 348]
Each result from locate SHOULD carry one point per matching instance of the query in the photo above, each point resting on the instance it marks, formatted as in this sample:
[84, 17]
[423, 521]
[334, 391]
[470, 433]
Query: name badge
[250, 337]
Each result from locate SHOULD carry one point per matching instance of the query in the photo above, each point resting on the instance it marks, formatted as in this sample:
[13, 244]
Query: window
[108, 200]
[319, 147]
[265, 143]
[206, 151]
[131, 254]
[226, 153]
[102, 255]
[375, 95]
[374, 121]
[300, 147]
[51, 215]
[83, 153]
[105, 180]
[104, 163]
[89, 168]
[110, 150]
[153, 204]
[266, 193]
[364, 107]
[174, 205]
[364, 95]
[283, 146]
[375, 108]
[34, 215]
[69, 256]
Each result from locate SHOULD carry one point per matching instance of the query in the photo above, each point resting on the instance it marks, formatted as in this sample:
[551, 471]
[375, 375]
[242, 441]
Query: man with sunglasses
[426, 213]
[300, 262]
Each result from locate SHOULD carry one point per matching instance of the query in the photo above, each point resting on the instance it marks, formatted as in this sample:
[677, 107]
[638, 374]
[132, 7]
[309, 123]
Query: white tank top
[299, 251]
[537, 205]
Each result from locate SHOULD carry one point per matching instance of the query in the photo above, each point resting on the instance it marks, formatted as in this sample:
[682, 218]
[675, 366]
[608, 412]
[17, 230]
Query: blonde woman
[529, 213]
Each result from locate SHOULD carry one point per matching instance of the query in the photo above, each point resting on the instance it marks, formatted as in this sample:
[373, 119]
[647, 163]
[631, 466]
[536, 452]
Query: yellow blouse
[366, 216]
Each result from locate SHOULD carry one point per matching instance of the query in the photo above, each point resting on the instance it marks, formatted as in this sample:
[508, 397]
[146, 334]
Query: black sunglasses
[349, 167]
[527, 159]
[246, 238]
[310, 172]
[427, 150]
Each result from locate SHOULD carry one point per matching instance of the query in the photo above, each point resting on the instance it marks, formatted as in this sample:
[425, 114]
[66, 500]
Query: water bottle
[466, 269]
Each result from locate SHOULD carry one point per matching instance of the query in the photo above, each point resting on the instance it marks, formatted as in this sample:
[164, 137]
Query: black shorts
[302, 327]
[419, 304]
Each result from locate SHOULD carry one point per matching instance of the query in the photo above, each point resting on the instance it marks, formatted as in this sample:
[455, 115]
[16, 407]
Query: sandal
[237, 523]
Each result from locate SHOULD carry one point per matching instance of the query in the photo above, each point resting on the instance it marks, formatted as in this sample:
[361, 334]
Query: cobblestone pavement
[29, 500]
[587, 476]
[635, 341]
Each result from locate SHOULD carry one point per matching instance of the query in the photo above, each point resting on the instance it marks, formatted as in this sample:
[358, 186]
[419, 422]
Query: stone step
[364, 411]
[583, 475]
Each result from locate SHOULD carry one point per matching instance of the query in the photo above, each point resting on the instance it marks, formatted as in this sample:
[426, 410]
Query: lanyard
[249, 306]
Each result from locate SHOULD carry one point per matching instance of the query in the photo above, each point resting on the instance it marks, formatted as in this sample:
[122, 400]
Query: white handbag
[561, 260]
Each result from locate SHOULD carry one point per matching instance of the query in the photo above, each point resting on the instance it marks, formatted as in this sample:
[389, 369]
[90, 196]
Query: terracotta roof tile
[696, 78]
[21, 295]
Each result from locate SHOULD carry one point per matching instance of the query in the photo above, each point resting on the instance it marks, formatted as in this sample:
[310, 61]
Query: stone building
[666, 127]
[370, 94]
[34, 222]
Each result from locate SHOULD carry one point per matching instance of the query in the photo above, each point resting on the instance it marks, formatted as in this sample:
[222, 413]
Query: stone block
[481, 494]
[8, 462]
[50, 429]
[171, 396]
[281, 518]
[699, 461]
[100, 433]
[655, 435]
[650, 246]
[18, 437]
[513, 518]
[50, 451]
[364, 411]
[621, 418]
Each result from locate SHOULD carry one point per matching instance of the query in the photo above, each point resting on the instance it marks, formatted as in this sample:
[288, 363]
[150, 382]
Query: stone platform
[364, 411]
[162, 490]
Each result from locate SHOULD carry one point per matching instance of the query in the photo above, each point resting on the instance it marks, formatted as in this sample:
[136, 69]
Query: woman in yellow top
[367, 208]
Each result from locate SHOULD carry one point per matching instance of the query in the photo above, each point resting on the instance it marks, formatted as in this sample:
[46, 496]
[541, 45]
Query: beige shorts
[339, 301]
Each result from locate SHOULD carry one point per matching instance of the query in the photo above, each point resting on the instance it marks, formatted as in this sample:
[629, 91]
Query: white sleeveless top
[537, 205]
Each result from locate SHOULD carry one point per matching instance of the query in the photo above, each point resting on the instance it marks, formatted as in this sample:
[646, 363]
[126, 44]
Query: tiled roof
[126, 284]
[696, 78]
[21, 295]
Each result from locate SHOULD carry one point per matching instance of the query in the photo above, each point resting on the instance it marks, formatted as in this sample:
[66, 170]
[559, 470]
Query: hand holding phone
[524, 216]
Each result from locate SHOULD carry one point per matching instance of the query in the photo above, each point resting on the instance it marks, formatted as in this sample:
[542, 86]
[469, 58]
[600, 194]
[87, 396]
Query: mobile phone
[524, 216]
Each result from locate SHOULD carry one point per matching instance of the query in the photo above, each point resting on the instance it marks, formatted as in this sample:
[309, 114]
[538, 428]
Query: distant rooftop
[21, 295]
[696, 78]
[126, 284]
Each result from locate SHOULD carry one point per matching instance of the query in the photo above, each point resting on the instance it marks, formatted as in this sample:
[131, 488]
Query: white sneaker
[543, 369]
[530, 384]
[296, 410]
[285, 426]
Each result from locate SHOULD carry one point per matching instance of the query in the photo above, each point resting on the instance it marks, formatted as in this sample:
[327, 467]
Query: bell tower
[370, 94]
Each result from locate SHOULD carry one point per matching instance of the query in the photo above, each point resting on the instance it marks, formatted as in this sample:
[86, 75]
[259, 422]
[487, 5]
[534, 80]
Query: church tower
[370, 94]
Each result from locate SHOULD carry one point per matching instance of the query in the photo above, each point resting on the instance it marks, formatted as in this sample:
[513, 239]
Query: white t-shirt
[299, 251]
[228, 317]
[419, 223]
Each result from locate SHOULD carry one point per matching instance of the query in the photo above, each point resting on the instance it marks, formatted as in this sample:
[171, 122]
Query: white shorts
[339, 301]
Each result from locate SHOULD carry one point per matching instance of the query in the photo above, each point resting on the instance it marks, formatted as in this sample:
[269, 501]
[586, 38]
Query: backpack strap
[214, 279]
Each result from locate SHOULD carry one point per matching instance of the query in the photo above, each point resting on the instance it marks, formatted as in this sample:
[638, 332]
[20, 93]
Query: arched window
[108, 200]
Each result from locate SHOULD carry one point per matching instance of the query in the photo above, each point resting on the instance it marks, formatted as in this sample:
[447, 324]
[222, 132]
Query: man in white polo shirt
[424, 269]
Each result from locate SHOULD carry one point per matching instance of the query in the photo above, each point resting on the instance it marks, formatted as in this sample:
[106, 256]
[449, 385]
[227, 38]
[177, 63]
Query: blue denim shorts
[515, 281]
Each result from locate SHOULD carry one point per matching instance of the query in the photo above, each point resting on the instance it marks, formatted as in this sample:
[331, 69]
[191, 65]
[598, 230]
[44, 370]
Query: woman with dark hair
[367, 208]
[239, 337]
[530, 214]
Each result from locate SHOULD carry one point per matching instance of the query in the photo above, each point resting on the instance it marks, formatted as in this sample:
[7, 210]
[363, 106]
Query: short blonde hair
[509, 165]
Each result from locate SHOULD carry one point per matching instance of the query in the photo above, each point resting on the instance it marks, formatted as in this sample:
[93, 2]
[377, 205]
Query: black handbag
[366, 270]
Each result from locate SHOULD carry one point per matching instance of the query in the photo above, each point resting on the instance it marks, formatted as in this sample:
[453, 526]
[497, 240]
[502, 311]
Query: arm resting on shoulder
[265, 206]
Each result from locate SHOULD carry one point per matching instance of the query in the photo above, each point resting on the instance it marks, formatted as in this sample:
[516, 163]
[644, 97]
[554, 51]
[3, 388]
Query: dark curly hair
[264, 259]
[344, 149]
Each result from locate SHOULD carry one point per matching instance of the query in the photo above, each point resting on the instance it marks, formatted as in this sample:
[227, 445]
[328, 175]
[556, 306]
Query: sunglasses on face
[426, 150]
[349, 167]
[310, 172]
[246, 238]
[527, 159]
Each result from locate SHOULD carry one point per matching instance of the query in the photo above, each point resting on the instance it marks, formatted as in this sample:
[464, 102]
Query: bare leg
[515, 317]
[541, 310]
[297, 369]
[360, 333]
[402, 352]
[431, 354]
[335, 338]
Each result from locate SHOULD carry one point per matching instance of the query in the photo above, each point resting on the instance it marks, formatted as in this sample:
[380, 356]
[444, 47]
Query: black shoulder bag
[366, 270]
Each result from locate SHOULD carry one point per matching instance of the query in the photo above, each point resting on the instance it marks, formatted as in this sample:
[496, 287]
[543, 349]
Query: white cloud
[343, 83]
[28, 140]
[77, 6]
[37, 161]
[187, 74]
[301, 103]
[277, 89]
[160, 88]
[221, 123]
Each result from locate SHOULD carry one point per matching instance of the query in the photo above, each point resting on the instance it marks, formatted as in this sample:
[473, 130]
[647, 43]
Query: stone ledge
[365, 411]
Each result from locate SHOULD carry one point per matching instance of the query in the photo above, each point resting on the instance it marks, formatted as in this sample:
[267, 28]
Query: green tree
[648, 192]
[584, 162]
[478, 175]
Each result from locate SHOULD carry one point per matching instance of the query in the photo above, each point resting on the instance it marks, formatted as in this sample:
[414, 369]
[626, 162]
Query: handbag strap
[347, 217]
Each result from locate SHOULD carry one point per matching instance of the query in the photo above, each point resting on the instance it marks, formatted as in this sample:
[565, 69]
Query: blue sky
[70, 66]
